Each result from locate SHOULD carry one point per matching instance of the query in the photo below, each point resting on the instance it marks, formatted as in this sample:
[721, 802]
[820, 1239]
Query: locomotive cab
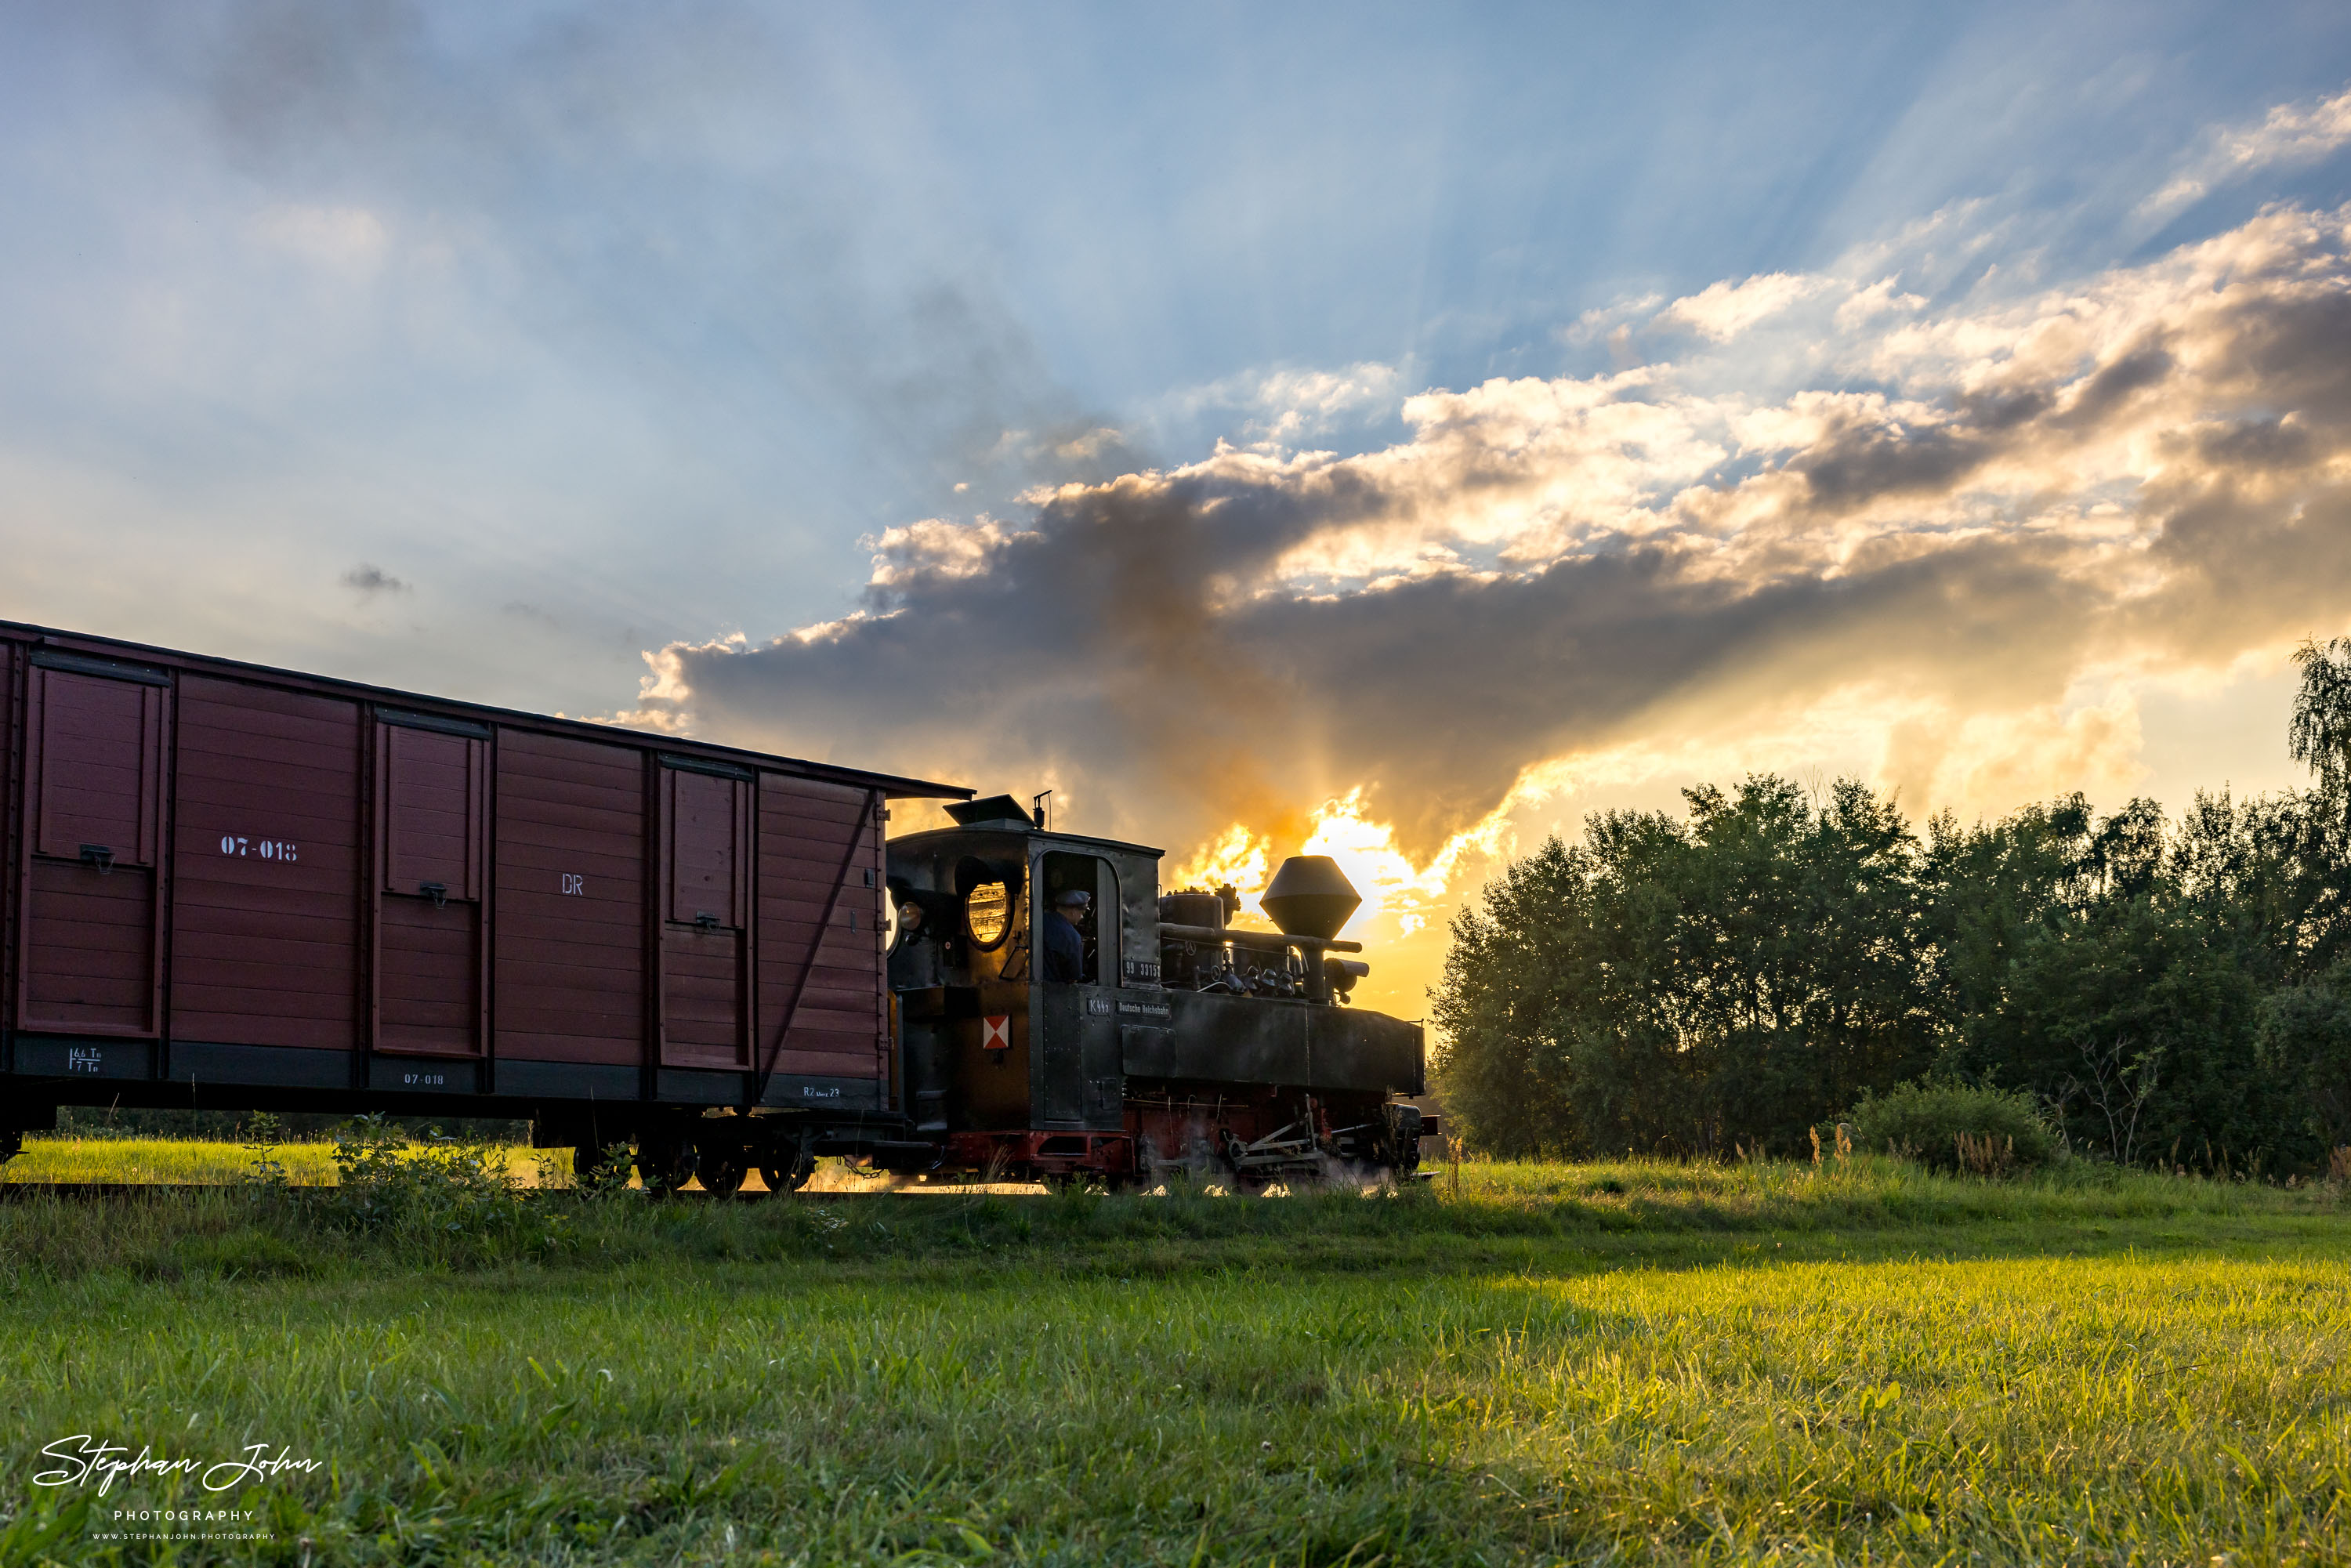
[1177, 1045]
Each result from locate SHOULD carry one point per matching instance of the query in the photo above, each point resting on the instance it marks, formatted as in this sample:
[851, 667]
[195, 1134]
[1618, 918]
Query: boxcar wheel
[789, 1178]
[722, 1173]
[664, 1168]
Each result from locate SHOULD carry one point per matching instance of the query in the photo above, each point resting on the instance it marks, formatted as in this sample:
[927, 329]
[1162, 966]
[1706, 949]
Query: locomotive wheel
[1399, 1153]
[722, 1171]
[792, 1177]
[664, 1166]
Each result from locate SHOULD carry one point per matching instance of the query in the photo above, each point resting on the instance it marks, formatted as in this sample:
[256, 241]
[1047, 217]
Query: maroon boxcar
[233, 887]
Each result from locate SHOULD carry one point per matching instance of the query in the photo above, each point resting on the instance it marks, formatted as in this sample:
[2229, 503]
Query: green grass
[72, 1159]
[173, 1160]
[1620, 1361]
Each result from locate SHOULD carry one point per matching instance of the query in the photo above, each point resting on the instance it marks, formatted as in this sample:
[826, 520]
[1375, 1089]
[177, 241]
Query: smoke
[1965, 515]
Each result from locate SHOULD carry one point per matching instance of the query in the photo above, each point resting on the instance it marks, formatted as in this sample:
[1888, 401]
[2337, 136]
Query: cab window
[1094, 954]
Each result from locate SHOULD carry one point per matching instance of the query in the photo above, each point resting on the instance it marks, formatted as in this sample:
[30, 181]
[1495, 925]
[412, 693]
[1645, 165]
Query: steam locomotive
[1182, 1043]
[229, 887]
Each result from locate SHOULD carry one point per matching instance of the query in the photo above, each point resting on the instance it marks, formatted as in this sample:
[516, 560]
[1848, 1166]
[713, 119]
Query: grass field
[71, 1159]
[1583, 1363]
[49, 1159]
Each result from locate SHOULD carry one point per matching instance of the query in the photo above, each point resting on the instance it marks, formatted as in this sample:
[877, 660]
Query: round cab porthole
[988, 913]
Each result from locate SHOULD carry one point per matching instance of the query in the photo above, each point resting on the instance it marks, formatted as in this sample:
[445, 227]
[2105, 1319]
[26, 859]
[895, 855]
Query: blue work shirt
[1065, 950]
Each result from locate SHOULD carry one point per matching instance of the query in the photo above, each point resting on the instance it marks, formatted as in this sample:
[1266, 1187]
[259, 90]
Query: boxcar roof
[890, 784]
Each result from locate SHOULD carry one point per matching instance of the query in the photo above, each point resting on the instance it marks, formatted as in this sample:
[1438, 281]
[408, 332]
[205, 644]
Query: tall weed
[449, 1196]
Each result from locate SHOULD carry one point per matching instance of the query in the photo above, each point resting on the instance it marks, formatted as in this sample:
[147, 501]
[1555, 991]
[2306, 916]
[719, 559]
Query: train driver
[1065, 941]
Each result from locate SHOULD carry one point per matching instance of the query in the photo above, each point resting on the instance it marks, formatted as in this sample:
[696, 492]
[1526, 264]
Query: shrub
[453, 1195]
[1952, 1126]
[263, 1139]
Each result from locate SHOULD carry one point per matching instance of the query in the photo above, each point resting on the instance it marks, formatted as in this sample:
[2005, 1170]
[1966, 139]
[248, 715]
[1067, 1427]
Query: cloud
[369, 580]
[1722, 310]
[2289, 134]
[1879, 298]
[345, 238]
[1974, 518]
[1289, 405]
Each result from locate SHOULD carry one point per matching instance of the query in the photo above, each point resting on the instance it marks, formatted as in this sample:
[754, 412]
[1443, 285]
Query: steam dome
[1309, 896]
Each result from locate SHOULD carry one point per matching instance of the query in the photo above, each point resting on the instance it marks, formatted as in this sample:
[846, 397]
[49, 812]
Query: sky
[1386, 430]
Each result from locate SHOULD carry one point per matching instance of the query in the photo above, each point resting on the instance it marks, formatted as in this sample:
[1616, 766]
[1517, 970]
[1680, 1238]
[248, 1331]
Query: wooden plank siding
[808, 831]
[100, 766]
[90, 925]
[11, 757]
[200, 852]
[707, 833]
[569, 892]
[428, 976]
[90, 961]
[266, 870]
[431, 854]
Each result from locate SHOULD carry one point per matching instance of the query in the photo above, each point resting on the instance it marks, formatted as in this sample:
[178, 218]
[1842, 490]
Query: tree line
[2173, 992]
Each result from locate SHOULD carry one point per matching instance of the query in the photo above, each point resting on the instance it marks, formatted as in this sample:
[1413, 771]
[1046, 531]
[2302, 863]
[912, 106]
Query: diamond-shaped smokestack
[1309, 896]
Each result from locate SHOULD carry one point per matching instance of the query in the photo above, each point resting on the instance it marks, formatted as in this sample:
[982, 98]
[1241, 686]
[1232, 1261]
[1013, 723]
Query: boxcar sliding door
[432, 783]
[706, 821]
[88, 961]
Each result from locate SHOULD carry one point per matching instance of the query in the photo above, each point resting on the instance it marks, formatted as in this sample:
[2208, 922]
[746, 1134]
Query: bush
[452, 1197]
[1950, 1126]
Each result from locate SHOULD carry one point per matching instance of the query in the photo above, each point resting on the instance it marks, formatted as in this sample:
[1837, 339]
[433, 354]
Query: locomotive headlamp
[903, 912]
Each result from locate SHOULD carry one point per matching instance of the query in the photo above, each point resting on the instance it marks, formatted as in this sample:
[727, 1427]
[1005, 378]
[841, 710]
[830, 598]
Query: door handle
[99, 856]
[438, 891]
